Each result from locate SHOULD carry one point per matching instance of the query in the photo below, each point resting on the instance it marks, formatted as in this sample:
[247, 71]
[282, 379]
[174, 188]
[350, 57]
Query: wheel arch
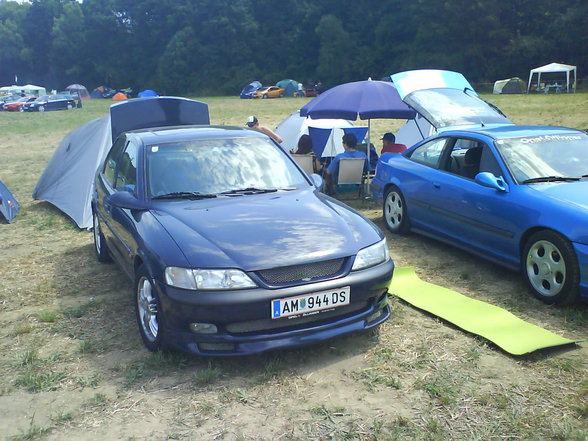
[527, 234]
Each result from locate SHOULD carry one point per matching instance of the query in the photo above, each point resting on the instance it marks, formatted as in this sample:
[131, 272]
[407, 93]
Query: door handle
[436, 185]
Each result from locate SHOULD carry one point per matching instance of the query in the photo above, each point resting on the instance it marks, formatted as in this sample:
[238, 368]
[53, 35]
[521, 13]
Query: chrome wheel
[41, 108]
[546, 268]
[147, 309]
[394, 211]
[551, 267]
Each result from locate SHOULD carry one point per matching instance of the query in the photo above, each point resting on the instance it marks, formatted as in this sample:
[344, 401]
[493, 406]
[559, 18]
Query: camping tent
[294, 126]
[120, 97]
[68, 179]
[290, 86]
[78, 90]
[555, 68]
[147, 92]
[510, 85]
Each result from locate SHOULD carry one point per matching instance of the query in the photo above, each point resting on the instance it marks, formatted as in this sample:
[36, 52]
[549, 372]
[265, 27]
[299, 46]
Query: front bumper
[243, 318]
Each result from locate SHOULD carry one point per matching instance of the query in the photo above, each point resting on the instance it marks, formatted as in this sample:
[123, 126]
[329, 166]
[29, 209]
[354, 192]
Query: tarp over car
[510, 85]
[569, 71]
[248, 90]
[68, 179]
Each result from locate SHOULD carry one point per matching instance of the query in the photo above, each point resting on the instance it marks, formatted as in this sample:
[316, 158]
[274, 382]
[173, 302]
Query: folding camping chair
[305, 162]
[351, 174]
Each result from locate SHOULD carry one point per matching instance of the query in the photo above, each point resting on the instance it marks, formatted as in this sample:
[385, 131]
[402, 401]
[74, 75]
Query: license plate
[310, 303]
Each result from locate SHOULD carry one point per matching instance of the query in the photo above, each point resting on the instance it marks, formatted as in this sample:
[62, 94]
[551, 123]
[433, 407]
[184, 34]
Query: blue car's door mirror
[125, 199]
[487, 179]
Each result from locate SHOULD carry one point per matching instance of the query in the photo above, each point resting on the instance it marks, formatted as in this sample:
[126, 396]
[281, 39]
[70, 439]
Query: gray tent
[510, 85]
[68, 179]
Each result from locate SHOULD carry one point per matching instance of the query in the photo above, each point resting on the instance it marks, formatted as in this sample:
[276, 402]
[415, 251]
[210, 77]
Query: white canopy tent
[29, 89]
[570, 85]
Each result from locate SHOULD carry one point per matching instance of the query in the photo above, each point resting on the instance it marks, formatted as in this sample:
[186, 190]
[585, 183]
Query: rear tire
[148, 311]
[264, 96]
[394, 211]
[41, 108]
[551, 268]
[69, 107]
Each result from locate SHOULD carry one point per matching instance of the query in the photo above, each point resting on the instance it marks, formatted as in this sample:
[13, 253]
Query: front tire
[41, 108]
[100, 246]
[551, 268]
[264, 96]
[69, 107]
[394, 211]
[148, 311]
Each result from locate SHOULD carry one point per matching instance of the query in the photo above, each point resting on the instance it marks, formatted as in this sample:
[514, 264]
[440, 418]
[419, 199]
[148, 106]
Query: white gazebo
[570, 85]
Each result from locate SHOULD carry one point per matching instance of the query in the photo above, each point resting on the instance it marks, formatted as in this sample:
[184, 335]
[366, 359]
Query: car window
[220, 165]
[430, 152]
[548, 154]
[126, 172]
[109, 170]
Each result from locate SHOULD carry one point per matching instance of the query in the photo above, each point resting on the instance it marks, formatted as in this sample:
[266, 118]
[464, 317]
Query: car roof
[156, 135]
[514, 131]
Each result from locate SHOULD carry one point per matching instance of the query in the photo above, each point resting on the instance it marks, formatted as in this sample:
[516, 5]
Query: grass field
[72, 366]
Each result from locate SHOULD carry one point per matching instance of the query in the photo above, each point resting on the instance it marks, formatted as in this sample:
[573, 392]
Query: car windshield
[237, 166]
[546, 157]
[42, 98]
[452, 107]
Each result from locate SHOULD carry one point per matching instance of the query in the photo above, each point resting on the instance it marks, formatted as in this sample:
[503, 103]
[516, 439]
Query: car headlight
[207, 279]
[372, 255]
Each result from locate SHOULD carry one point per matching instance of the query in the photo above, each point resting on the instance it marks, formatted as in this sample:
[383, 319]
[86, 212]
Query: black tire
[551, 268]
[100, 246]
[394, 211]
[148, 311]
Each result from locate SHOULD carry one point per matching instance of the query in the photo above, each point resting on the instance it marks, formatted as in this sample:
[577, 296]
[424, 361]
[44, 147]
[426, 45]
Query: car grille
[298, 273]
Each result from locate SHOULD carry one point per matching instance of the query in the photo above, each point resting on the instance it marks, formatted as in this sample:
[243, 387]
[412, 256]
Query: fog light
[216, 346]
[375, 316]
[203, 328]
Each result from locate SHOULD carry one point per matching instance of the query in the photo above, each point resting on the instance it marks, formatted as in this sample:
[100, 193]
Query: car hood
[265, 231]
[572, 194]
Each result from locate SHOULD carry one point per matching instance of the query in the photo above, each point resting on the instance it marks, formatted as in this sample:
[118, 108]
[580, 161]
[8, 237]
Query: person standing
[253, 123]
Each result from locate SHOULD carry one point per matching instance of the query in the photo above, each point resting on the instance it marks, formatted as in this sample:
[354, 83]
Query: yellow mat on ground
[507, 331]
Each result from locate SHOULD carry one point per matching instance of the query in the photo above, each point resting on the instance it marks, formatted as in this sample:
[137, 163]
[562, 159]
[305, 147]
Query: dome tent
[147, 92]
[79, 90]
[510, 85]
[290, 86]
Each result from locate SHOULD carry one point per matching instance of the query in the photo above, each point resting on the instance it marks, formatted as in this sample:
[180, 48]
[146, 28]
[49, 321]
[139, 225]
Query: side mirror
[125, 199]
[487, 179]
[317, 181]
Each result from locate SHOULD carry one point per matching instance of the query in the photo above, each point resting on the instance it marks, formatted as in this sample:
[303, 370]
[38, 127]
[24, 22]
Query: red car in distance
[16, 105]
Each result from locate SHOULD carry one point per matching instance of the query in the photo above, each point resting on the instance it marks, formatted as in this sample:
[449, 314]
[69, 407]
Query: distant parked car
[229, 256]
[269, 92]
[15, 106]
[50, 102]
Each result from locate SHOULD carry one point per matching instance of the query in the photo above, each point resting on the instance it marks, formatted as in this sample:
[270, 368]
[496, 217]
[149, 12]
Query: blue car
[516, 195]
[231, 247]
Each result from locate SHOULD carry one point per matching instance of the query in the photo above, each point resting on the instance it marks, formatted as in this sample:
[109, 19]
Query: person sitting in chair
[349, 144]
[389, 144]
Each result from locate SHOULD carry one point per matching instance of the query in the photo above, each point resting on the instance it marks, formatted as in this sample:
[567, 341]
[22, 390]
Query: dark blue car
[232, 248]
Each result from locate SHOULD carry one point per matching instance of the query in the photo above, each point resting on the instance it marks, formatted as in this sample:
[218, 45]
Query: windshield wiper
[185, 195]
[248, 191]
[550, 179]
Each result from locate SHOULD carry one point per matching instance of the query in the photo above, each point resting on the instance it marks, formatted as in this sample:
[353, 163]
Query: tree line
[215, 47]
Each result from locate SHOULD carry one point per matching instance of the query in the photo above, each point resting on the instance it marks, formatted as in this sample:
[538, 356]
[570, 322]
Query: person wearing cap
[389, 144]
[253, 123]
